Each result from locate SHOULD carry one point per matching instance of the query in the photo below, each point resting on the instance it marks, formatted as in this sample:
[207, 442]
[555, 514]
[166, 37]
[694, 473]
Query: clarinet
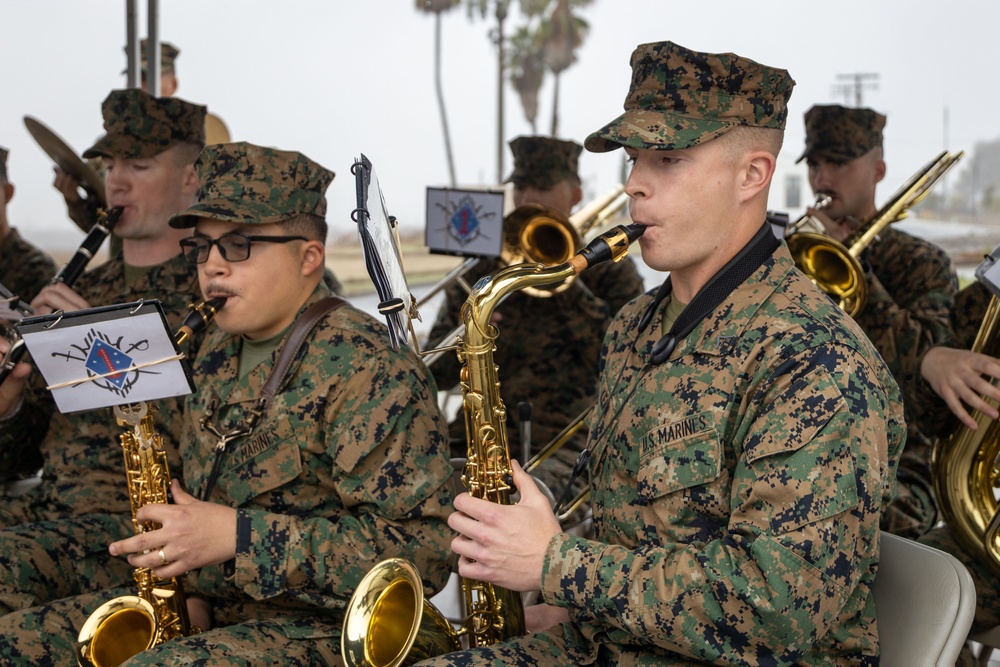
[67, 275]
[73, 269]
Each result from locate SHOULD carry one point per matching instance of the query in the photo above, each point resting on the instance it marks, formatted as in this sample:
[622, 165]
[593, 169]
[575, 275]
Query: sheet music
[382, 257]
[106, 356]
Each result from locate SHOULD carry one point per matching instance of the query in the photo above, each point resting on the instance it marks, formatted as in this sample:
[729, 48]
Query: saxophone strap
[279, 374]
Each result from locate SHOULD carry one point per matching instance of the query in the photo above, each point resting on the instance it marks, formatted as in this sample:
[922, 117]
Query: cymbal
[66, 158]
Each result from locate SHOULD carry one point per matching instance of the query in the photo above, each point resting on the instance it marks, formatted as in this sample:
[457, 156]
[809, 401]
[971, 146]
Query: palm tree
[438, 7]
[526, 71]
[562, 35]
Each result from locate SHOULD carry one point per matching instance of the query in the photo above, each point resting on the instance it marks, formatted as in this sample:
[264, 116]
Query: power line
[854, 85]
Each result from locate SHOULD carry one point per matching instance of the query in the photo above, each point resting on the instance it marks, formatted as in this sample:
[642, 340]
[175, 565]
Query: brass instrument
[543, 235]
[834, 267]
[808, 222]
[127, 625]
[383, 618]
[537, 234]
[966, 463]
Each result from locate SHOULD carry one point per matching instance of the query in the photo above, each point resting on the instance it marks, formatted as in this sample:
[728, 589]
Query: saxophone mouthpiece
[199, 317]
[612, 244]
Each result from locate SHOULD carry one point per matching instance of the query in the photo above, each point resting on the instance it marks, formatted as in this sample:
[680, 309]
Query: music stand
[380, 244]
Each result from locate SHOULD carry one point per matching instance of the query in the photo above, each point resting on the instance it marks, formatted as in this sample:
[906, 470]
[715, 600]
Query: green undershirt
[254, 352]
[134, 273]
[670, 314]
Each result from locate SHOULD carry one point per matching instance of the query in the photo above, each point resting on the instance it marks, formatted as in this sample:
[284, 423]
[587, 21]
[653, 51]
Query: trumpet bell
[539, 234]
[118, 630]
[388, 622]
[831, 267]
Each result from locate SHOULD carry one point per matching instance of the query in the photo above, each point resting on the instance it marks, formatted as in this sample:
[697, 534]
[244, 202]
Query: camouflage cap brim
[243, 212]
[639, 128]
[126, 147]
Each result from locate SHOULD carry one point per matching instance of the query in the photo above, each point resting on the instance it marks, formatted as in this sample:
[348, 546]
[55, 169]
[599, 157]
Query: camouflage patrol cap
[680, 98]
[253, 185]
[168, 53]
[138, 125]
[3, 164]
[841, 134]
[543, 161]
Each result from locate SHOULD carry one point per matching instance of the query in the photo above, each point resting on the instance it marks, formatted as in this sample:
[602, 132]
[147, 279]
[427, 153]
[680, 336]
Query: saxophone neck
[487, 294]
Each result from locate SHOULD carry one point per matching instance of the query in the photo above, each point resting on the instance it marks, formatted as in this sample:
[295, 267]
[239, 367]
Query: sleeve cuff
[260, 565]
[570, 572]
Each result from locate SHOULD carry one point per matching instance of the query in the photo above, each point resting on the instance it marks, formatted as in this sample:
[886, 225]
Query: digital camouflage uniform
[57, 534]
[24, 269]
[736, 488]
[911, 284]
[547, 353]
[346, 466]
[910, 288]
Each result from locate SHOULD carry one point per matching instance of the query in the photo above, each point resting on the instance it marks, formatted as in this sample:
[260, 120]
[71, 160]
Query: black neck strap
[715, 291]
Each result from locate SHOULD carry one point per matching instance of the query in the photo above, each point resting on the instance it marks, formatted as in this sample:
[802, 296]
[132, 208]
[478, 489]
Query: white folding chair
[924, 601]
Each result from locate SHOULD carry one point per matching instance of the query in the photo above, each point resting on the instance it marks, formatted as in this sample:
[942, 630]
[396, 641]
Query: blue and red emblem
[104, 358]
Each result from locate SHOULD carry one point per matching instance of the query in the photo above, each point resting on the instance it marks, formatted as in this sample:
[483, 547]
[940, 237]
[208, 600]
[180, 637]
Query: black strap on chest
[279, 372]
[708, 298]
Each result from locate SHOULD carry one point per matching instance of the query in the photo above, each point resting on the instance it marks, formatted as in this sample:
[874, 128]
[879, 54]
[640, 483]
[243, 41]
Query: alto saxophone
[382, 624]
[127, 625]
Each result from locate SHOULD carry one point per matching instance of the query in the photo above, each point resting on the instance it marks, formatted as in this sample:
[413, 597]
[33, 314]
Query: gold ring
[163, 559]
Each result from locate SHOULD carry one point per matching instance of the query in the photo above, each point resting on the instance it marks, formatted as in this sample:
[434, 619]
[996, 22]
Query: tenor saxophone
[129, 624]
[383, 622]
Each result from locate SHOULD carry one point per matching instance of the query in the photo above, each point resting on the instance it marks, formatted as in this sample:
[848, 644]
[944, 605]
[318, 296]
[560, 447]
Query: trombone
[834, 267]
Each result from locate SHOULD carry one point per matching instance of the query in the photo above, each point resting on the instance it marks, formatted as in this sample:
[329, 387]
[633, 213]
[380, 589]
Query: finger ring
[163, 559]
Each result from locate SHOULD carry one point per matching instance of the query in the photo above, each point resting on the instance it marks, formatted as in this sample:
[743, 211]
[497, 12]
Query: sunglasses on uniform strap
[234, 247]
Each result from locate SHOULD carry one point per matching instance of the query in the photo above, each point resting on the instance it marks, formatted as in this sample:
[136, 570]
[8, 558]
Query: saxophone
[130, 624]
[387, 622]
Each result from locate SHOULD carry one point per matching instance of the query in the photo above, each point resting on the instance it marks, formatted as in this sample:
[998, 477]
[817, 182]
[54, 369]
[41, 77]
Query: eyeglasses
[233, 247]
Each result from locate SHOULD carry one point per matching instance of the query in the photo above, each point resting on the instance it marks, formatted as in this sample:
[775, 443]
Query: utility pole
[501, 14]
[854, 84]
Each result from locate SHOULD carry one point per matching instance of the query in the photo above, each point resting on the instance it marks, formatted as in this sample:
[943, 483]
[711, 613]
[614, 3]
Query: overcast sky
[336, 78]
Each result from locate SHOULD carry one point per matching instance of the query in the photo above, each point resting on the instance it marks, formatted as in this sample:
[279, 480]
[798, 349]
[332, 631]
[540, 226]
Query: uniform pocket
[263, 461]
[679, 456]
[802, 455]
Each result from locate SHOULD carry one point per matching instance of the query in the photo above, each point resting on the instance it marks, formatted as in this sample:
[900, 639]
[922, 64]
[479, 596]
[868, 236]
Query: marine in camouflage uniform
[55, 539]
[345, 467]
[547, 353]
[910, 281]
[24, 269]
[736, 481]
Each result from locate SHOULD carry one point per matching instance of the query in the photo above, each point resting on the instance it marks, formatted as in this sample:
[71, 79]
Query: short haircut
[309, 225]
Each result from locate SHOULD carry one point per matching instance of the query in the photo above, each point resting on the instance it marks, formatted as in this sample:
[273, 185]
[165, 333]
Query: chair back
[924, 601]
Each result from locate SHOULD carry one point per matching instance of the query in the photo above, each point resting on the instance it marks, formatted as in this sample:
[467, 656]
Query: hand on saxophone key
[192, 533]
[504, 544]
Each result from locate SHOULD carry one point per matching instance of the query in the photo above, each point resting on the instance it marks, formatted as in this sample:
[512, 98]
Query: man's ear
[757, 173]
[190, 179]
[577, 196]
[8, 191]
[879, 170]
[313, 257]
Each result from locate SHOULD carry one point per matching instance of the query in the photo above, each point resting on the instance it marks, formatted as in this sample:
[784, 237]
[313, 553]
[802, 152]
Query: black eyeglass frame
[198, 243]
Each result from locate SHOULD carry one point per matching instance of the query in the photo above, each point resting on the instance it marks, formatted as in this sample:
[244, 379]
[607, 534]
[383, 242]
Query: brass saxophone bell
[388, 622]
